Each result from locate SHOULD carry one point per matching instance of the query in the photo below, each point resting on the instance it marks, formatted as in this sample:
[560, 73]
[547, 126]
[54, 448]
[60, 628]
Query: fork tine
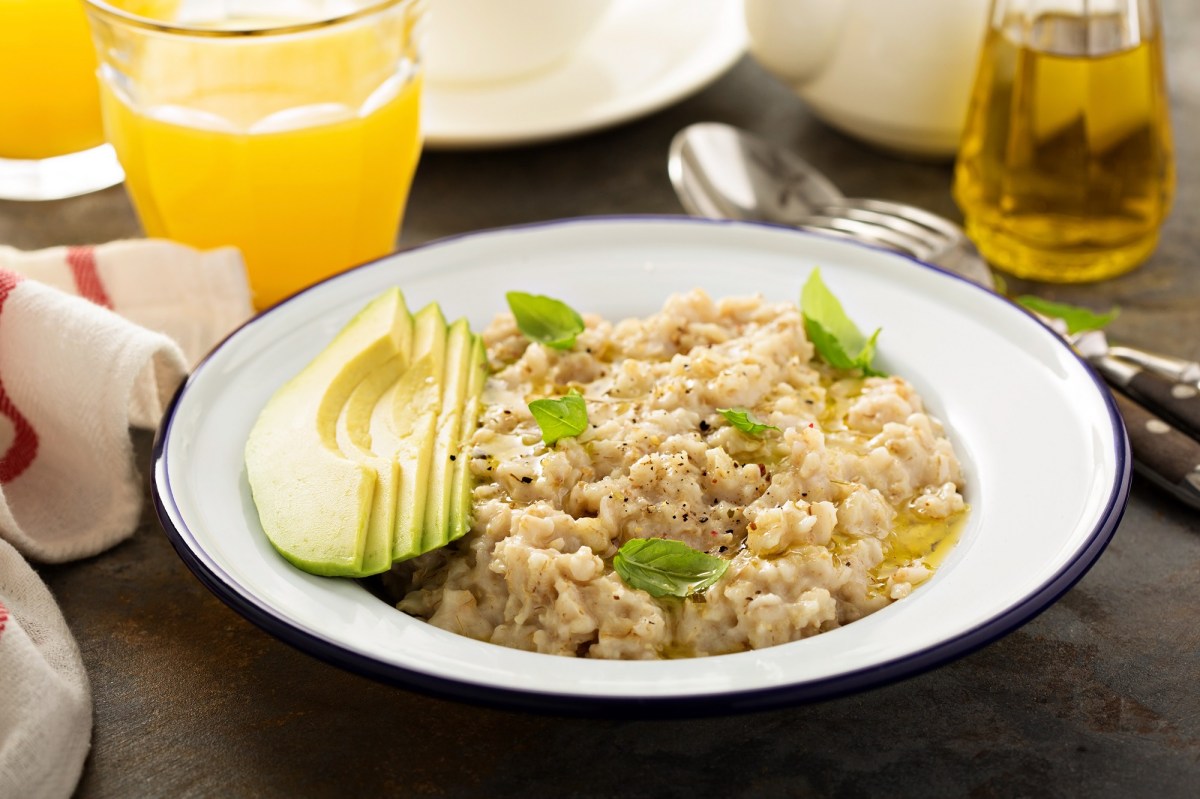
[905, 229]
[935, 244]
[934, 238]
[883, 234]
[910, 213]
[828, 231]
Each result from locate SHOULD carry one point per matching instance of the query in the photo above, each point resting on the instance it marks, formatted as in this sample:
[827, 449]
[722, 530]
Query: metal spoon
[722, 172]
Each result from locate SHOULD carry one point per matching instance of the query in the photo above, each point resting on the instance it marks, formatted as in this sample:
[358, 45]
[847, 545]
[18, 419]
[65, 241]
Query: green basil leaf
[742, 420]
[667, 568]
[834, 335]
[560, 418]
[545, 319]
[1077, 318]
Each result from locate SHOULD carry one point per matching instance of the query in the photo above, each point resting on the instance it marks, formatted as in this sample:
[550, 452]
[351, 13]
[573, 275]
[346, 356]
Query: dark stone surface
[1098, 696]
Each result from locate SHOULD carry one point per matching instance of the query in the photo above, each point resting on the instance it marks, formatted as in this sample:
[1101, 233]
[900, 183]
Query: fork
[903, 228]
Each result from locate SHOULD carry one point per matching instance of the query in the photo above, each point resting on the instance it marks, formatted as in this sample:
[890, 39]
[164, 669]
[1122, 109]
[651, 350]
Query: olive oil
[1065, 171]
[915, 537]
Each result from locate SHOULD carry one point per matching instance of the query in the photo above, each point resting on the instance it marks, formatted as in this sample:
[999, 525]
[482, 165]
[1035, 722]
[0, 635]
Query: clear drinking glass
[1065, 172]
[287, 129]
[51, 142]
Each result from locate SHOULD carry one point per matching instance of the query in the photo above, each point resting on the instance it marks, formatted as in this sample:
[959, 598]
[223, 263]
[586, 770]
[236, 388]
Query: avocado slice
[459, 343]
[463, 482]
[409, 415]
[354, 439]
[313, 502]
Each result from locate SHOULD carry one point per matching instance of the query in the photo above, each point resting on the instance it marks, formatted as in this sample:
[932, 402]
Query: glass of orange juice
[287, 129]
[51, 142]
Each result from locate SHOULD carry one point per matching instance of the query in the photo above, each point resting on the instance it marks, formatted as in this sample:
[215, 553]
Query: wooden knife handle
[1161, 452]
[1177, 402]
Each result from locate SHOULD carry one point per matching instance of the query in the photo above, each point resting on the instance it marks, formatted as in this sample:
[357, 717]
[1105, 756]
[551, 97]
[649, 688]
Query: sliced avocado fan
[358, 462]
[314, 503]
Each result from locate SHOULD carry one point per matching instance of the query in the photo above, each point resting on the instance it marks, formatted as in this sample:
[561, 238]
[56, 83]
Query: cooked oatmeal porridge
[841, 510]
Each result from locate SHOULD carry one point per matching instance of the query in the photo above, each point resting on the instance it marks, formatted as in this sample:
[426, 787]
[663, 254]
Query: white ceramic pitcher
[895, 73]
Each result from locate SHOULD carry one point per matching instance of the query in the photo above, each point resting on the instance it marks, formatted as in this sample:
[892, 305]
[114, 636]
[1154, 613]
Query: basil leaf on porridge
[773, 538]
[832, 332]
[666, 568]
[560, 418]
[744, 421]
[545, 319]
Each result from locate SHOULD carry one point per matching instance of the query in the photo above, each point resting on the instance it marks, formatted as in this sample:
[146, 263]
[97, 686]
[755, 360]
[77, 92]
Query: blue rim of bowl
[241, 600]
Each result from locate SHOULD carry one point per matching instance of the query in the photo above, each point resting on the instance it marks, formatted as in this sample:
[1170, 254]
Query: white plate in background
[645, 55]
[1044, 452]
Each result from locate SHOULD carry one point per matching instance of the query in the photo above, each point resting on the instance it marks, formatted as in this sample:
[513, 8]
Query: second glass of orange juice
[51, 142]
[292, 138]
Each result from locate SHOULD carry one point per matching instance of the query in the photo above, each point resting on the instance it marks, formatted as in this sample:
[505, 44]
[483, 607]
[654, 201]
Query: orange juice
[49, 104]
[319, 190]
[293, 139]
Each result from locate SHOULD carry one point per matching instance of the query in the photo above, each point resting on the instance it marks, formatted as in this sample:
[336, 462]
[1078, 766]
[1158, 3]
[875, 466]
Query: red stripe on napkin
[82, 261]
[25, 441]
[3, 617]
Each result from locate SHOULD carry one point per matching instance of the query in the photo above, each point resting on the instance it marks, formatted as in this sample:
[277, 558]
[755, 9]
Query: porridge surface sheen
[824, 521]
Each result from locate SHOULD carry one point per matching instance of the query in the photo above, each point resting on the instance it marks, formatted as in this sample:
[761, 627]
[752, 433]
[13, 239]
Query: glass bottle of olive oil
[1065, 172]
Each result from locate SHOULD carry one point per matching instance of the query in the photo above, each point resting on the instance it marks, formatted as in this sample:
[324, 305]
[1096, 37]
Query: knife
[1161, 453]
[1175, 400]
[1180, 370]
[1161, 414]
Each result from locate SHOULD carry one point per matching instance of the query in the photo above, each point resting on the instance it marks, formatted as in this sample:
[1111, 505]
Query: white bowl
[1045, 457]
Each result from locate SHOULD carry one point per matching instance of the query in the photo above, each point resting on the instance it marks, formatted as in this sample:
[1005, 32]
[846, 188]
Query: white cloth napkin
[93, 341]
